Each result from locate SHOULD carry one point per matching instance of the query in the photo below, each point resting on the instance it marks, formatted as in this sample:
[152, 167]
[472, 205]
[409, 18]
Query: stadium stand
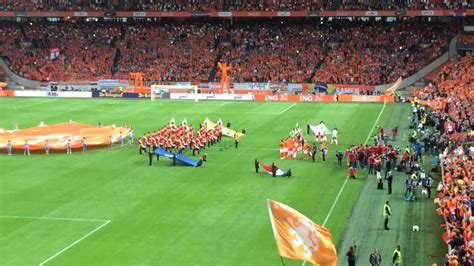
[466, 39]
[259, 51]
[382, 52]
[451, 96]
[230, 5]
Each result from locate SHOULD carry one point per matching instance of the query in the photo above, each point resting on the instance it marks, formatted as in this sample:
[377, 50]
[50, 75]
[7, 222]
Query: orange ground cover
[58, 135]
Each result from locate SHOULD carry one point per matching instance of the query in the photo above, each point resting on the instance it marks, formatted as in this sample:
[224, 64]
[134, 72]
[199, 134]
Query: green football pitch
[108, 207]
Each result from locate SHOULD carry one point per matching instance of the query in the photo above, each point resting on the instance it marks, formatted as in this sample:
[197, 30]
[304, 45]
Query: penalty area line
[347, 178]
[104, 223]
[287, 108]
[74, 243]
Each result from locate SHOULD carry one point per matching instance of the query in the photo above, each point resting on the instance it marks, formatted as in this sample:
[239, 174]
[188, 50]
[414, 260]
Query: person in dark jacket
[339, 157]
[375, 259]
[351, 256]
[389, 181]
[256, 165]
[274, 169]
[150, 157]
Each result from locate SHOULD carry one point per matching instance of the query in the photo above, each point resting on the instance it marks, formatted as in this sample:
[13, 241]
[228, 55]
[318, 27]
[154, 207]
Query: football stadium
[201, 132]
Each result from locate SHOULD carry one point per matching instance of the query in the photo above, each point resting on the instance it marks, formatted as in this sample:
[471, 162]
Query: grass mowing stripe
[347, 178]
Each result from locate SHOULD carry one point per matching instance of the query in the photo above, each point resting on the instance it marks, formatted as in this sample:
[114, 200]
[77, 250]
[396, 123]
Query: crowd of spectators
[338, 52]
[166, 52]
[170, 52]
[381, 53]
[274, 51]
[226, 5]
[451, 98]
[466, 39]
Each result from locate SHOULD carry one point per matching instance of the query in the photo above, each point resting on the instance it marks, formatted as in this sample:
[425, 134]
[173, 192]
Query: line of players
[180, 138]
[69, 144]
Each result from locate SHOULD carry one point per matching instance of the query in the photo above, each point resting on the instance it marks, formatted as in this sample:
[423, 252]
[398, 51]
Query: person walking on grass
[389, 182]
[375, 259]
[397, 256]
[351, 255]
[386, 214]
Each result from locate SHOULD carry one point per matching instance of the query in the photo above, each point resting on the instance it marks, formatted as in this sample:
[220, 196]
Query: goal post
[189, 92]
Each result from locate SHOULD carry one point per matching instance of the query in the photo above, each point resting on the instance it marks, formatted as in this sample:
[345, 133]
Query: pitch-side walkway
[365, 225]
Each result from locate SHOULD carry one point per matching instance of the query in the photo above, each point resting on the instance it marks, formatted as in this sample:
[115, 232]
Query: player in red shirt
[351, 173]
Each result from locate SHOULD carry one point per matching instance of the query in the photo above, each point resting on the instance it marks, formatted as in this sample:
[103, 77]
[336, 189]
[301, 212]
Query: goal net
[183, 92]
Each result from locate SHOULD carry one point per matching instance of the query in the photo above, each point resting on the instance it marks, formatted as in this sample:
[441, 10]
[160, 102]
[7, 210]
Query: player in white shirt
[334, 136]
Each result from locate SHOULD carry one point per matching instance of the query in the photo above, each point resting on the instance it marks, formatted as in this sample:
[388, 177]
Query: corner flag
[297, 237]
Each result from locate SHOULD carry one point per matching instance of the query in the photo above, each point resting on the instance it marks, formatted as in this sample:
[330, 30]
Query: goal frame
[166, 88]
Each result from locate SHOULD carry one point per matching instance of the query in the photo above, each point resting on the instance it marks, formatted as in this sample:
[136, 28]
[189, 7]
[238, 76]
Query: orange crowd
[230, 5]
[466, 39]
[381, 53]
[452, 93]
[338, 52]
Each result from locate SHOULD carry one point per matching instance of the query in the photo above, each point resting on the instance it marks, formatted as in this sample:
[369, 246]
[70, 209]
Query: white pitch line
[347, 178]
[286, 109]
[52, 218]
[224, 103]
[104, 223]
[345, 182]
[74, 243]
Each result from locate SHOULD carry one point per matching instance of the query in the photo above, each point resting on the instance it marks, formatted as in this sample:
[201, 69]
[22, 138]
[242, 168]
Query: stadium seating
[208, 5]
[381, 53]
[259, 52]
[466, 39]
[453, 88]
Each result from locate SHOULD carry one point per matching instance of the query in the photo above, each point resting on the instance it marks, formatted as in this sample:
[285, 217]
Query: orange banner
[321, 98]
[297, 237]
[59, 134]
[294, 98]
[366, 98]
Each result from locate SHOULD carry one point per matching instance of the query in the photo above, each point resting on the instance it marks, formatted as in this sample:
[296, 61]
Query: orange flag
[393, 88]
[297, 237]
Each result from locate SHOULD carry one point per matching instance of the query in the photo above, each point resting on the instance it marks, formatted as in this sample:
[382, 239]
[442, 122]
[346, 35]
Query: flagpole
[283, 263]
[273, 227]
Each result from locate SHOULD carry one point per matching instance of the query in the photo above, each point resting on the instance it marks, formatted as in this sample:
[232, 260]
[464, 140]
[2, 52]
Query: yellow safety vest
[414, 177]
[413, 134]
[386, 210]
[399, 256]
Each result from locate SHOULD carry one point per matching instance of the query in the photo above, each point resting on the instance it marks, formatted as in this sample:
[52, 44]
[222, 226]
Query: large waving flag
[320, 129]
[297, 237]
[54, 54]
[225, 131]
[393, 88]
[268, 169]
